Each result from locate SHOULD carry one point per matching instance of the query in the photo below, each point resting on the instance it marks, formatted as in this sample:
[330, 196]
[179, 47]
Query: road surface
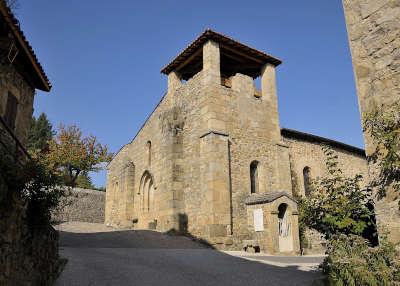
[101, 256]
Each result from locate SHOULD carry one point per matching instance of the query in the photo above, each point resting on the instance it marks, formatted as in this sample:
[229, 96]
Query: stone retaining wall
[81, 205]
[316, 243]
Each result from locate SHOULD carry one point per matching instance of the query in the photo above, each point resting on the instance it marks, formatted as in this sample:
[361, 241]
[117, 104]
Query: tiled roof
[219, 38]
[290, 133]
[13, 24]
[265, 197]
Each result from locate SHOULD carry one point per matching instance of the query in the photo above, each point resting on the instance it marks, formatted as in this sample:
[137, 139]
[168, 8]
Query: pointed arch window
[146, 192]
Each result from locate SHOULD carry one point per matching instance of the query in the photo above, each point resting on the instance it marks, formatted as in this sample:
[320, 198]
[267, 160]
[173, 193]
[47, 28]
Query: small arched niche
[148, 147]
[254, 177]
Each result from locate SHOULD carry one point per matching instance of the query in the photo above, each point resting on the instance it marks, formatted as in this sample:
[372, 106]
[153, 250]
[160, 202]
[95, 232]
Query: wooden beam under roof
[243, 55]
[225, 42]
[189, 59]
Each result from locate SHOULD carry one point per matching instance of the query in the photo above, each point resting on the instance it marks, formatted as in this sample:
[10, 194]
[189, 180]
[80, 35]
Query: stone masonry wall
[310, 154]
[252, 138]
[11, 81]
[373, 28]
[125, 201]
[81, 205]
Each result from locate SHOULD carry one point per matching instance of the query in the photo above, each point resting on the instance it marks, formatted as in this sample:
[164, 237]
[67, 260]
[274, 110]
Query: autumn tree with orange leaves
[71, 154]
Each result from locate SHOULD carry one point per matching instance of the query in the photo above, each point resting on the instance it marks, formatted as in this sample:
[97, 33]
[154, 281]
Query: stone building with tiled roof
[212, 159]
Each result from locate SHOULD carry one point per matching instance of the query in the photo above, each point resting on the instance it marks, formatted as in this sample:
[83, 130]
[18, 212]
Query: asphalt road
[150, 258]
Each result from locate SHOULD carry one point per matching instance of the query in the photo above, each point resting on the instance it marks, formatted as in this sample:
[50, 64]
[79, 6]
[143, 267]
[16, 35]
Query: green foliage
[383, 125]
[40, 134]
[336, 204]
[84, 181]
[302, 220]
[304, 243]
[32, 183]
[352, 262]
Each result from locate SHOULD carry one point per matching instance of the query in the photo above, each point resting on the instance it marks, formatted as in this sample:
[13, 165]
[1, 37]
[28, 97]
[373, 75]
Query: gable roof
[267, 197]
[40, 79]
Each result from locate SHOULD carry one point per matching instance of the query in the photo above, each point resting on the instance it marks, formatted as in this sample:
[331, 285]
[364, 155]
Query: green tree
[84, 181]
[72, 155]
[336, 204]
[40, 133]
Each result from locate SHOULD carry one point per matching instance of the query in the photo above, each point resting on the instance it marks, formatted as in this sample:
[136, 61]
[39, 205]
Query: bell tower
[237, 123]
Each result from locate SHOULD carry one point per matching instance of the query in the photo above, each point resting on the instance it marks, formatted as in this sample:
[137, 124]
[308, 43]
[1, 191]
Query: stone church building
[212, 159]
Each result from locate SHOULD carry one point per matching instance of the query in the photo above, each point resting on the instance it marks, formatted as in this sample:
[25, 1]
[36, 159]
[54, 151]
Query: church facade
[212, 160]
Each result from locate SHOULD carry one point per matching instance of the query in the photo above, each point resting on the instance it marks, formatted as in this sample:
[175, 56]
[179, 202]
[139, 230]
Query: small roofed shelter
[278, 213]
[235, 57]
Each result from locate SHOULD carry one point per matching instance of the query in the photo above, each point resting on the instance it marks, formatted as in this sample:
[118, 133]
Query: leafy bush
[352, 262]
[336, 204]
[304, 243]
[32, 184]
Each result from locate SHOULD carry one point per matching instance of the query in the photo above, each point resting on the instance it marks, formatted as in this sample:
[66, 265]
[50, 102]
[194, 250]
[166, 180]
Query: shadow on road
[128, 239]
[143, 257]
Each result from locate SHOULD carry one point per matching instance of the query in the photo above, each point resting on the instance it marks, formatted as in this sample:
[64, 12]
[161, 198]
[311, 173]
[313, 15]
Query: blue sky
[104, 59]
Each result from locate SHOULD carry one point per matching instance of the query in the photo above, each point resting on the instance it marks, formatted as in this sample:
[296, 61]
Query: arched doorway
[284, 229]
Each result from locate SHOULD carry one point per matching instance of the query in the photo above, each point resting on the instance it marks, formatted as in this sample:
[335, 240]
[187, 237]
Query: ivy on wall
[382, 124]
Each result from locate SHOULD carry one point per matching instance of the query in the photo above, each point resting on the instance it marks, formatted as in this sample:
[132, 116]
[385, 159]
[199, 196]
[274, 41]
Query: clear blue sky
[104, 59]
